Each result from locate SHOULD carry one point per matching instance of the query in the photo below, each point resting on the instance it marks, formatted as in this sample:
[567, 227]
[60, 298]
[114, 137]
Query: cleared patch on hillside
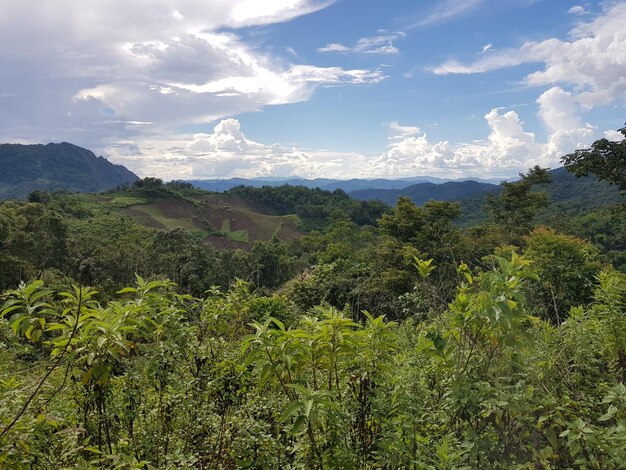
[224, 221]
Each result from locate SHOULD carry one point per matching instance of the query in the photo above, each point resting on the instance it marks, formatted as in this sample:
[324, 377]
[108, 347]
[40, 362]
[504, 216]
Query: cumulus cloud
[592, 61]
[507, 149]
[592, 64]
[382, 44]
[227, 152]
[88, 72]
[566, 141]
[558, 109]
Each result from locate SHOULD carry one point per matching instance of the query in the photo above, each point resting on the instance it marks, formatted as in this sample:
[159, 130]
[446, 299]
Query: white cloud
[227, 152]
[334, 47]
[447, 10]
[613, 135]
[507, 150]
[83, 71]
[486, 47]
[566, 141]
[403, 131]
[333, 75]
[122, 77]
[254, 12]
[382, 44]
[578, 10]
[493, 62]
[592, 61]
[591, 64]
[558, 110]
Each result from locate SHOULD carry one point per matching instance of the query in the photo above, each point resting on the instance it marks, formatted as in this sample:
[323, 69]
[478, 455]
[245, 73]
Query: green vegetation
[128, 201]
[314, 206]
[237, 235]
[168, 380]
[605, 159]
[387, 338]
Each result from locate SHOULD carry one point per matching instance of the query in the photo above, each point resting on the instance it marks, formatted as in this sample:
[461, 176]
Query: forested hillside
[27, 168]
[314, 206]
[366, 337]
[421, 192]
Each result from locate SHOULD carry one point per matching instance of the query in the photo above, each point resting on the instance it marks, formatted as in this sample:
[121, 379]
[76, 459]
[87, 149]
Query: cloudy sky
[315, 88]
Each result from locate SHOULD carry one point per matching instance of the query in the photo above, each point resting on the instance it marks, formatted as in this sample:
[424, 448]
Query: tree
[149, 183]
[515, 207]
[605, 159]
[429, 227]
[567, 267]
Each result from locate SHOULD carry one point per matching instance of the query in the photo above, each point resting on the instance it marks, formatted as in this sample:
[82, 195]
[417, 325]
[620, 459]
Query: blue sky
[345, 88]
[450, 107]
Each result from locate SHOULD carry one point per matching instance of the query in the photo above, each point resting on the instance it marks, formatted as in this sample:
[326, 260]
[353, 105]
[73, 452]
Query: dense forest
[378, 337]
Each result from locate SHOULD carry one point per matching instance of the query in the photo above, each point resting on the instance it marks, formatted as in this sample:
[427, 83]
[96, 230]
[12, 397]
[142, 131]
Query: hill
[422, 192]
[569, 196]
[315, 207]
[575, 195]
[26, 168]
[223, 220]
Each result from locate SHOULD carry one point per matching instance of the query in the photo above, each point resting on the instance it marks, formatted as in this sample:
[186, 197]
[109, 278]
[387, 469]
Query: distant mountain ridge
[421, 192]
[565, 188]
[568, 194]
[328, 184]
[64, 166]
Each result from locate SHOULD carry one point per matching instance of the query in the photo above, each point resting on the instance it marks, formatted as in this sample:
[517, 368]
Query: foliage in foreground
[236, 380]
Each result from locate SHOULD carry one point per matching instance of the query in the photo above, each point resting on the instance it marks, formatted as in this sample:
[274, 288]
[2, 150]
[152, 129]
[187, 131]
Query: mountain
[26, 168]
[379, 183]
[421, 192]
[566, 191]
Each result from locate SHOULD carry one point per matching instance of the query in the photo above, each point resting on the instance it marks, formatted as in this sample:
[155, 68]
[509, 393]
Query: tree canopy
[606, 159]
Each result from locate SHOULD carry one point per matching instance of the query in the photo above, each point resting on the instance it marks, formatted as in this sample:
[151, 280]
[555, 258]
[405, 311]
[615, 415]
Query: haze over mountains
[328, 184]
[64, 166]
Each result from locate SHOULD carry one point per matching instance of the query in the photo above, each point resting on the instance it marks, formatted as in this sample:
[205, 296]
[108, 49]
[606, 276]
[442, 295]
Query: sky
[200, 89]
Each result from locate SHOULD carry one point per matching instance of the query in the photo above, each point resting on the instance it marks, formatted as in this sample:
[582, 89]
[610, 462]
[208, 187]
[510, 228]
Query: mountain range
[421, 192]
[327, 184]
[64, 166]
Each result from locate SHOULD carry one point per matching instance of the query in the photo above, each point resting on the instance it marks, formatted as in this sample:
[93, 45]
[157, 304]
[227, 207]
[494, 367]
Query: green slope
[225, 221]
